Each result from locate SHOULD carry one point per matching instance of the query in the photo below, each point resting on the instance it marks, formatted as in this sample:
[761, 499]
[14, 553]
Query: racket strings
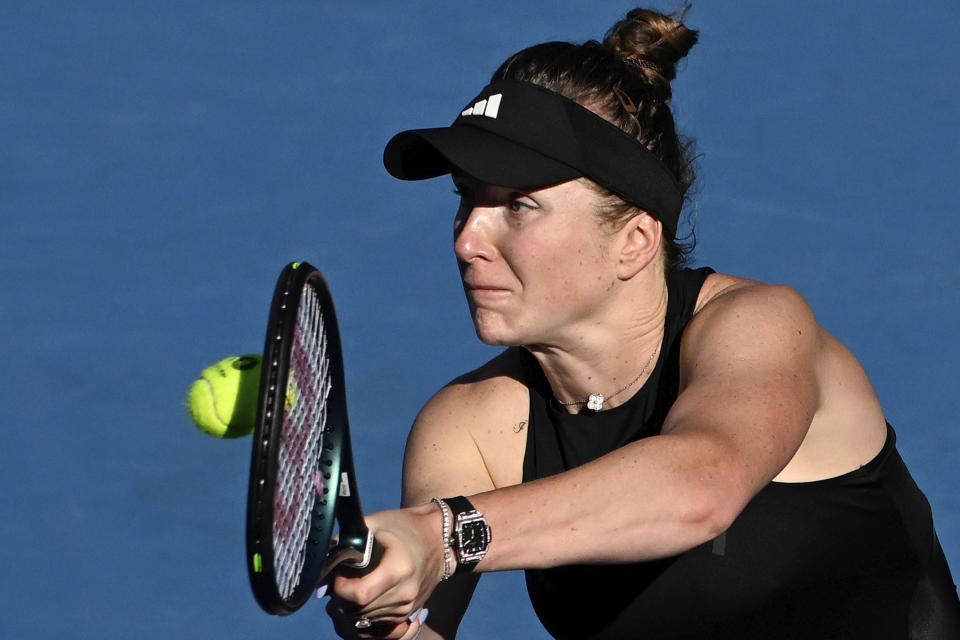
[301, 439]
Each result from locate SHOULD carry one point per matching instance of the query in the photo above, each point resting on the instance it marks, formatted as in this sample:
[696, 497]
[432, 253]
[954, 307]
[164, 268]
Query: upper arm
[469, 437]
[442, 457]
[462, 444]
[748, 383]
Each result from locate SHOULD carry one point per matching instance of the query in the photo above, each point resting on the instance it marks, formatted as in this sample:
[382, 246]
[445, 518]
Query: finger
[396, 612]
[375, 596]
[393, 613]
[417, 620]
[351, 624]
[385, 631]
[345, 620]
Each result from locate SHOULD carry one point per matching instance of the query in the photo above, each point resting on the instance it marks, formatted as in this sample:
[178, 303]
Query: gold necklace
[595, 401]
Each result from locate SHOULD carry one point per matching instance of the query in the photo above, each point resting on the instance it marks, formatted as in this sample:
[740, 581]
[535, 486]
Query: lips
[477, 284]
[482, 287]
[471, 285]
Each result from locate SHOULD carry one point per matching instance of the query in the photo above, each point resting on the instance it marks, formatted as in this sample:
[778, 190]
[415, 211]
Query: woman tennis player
[666, 452]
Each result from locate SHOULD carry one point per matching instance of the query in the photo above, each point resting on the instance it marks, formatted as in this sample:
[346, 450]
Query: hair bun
[652, 44]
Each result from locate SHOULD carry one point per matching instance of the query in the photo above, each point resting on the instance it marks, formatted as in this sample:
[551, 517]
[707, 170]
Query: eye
[519, 203]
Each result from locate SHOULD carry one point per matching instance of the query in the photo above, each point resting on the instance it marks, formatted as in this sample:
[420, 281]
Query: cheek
[586, 262]
[575, 275]
[562, 262]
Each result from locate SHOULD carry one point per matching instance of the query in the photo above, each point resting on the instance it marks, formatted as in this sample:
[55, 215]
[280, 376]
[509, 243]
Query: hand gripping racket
[302, 480]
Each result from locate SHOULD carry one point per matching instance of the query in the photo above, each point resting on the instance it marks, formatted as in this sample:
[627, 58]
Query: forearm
[653, 498]
[743, 411]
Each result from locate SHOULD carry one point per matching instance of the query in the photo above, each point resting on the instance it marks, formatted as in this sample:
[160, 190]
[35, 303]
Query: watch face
[474, 538]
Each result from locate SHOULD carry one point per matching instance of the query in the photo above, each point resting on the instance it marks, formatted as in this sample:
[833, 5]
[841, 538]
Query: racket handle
[371, 558]
[353, 557]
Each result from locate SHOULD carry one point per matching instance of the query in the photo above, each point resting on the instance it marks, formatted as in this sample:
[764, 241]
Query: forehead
[461, 178]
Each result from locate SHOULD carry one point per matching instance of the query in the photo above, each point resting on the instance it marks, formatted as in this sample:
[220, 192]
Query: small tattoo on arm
[517, 428]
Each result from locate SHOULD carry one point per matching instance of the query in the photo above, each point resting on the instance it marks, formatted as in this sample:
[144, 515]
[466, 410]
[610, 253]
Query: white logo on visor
[489, 107]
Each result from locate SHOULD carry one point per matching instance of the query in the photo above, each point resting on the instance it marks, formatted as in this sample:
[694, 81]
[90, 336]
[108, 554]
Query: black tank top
[850, 557]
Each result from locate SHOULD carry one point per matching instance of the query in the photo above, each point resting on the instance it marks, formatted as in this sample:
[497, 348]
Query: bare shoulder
[471, 435]
[729, 288]
[477, 399]
[736, 312]
[749, 334]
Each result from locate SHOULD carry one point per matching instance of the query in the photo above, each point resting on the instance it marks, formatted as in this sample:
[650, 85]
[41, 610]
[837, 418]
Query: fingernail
[322, 591]
[413, 616]
[421, 617]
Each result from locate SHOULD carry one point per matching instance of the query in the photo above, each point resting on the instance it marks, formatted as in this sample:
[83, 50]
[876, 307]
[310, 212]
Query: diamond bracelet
[445, 510]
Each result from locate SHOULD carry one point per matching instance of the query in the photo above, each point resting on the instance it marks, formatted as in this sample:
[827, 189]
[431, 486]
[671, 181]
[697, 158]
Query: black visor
[517, 134]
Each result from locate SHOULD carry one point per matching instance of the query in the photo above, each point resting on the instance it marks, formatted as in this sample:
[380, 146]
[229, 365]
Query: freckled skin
[516, 247]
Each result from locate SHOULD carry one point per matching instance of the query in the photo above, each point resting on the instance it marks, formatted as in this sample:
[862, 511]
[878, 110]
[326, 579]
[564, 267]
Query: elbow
[717, 522]
[715, 511]
[717, 491]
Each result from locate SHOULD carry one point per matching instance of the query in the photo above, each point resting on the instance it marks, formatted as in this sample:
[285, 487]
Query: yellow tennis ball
[223, 401]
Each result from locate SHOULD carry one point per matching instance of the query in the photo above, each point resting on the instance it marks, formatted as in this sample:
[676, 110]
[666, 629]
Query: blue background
[160, 161]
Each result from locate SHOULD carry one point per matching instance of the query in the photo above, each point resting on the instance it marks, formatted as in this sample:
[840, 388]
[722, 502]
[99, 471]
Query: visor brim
[427, 153]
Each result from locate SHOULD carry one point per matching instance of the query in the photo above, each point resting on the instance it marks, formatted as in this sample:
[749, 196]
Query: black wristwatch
[470, 534]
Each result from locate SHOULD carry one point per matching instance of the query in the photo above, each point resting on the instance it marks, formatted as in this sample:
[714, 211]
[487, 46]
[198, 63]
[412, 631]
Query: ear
[639, 243]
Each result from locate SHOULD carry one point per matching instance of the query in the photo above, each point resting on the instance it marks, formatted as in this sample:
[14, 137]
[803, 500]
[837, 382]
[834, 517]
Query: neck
[613, 358]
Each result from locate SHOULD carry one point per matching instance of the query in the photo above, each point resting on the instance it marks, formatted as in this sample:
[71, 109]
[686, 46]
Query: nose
[472, 234]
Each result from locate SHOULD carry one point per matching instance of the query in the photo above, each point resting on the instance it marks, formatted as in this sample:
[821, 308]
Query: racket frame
[338, 502]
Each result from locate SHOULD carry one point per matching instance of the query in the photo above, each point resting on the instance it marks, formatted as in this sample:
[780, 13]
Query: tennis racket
[302, 480]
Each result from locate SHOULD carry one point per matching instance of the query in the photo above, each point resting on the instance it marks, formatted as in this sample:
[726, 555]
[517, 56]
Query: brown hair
[625, 79]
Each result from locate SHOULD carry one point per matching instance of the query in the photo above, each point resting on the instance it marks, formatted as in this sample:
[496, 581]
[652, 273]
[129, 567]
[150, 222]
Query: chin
[492, 339]
[493, 335]
[497, 329]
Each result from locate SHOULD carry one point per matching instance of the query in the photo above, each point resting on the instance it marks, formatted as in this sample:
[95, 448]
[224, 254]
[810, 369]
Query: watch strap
[460, 506]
